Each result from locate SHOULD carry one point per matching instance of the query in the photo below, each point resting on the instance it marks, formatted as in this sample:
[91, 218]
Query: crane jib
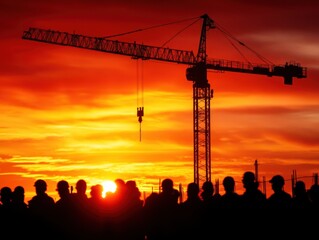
[288, 71]
[111, 46]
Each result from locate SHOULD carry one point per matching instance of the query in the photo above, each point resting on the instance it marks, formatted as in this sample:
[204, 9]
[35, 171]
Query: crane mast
[201, 110]
[196, 72]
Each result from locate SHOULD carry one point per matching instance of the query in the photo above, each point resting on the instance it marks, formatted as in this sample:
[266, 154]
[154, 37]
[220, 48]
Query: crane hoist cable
[147, 28]
[231, 37]
[140, 93]
[140, 80]
[139, 71]
[164, 44]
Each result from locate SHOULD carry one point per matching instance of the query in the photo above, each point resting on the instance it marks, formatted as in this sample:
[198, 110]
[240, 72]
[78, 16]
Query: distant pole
[315, 177]
[217, 186]
[264, 185]
[256, 170]
[180, 193]
[293, 182]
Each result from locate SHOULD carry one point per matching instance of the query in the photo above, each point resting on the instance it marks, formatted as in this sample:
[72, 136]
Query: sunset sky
[69, 113]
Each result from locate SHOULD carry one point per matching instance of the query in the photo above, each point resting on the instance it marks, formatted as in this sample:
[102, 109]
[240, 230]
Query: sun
[108, 186]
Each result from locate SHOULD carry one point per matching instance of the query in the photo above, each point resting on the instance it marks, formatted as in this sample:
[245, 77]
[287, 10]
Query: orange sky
[70, 113]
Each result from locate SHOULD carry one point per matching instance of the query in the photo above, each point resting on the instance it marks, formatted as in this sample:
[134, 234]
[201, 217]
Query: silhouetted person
[6, 219]
[41, 207]
[64, 211]
[230, 200]
[6, 200]
[301, 207]
[81, 188]
[132, 225]
[168, 210]
[252, 203]
[97, 212]
[191, 214]
[41, 204]
[279, 199]
[6, 197]
[301, 200]
[81, 218]
[208, 195]
[96, 193]
[20, 213]
[309, 223]
[230, 214]
[314, 196]
[279, 207]
[120, 192]
[151, 221]
[17, 201]
[210, 203]
[80, 192]
[252, 198]
[116, 204]
[121, 188]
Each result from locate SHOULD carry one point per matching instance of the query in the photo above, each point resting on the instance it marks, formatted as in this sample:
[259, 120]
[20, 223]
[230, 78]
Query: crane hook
[140, 114]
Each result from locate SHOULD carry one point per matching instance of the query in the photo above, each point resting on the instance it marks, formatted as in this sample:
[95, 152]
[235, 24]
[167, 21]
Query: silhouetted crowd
[123, 215]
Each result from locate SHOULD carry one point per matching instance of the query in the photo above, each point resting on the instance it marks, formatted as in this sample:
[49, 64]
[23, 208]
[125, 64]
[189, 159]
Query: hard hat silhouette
[40, 183]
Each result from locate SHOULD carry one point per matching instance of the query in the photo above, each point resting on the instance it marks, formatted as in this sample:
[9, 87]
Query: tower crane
[198, 65]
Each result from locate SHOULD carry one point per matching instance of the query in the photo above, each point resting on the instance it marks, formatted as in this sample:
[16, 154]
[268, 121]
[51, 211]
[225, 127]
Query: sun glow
[108, 186]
